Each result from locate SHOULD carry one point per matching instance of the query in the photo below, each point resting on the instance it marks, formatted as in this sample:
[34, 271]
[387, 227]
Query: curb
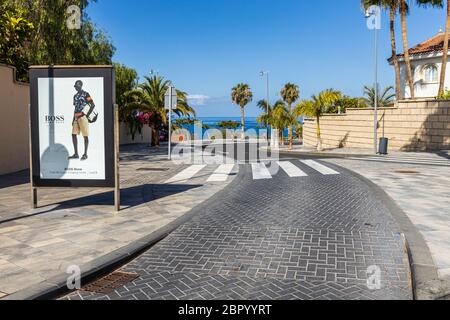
[57, 286]
[422, 267]
[322, 155]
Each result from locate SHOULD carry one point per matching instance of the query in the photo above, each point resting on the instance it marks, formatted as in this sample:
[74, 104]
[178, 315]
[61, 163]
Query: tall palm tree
[276, 116]
[392, 6]
[316, 107]
[403, 6]
[242, 95]
[290, 94]
[440, 4]
[149, 98]
[445, 52]
[384, 99]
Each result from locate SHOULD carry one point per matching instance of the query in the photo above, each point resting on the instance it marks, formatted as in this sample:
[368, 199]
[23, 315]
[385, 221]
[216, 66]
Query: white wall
[125, 136]
[422, 89]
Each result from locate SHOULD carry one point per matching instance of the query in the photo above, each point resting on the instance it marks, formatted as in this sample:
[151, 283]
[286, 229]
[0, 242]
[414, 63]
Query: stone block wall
[419, 125]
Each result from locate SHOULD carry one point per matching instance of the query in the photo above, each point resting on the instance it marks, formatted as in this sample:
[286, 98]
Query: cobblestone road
[310, 237]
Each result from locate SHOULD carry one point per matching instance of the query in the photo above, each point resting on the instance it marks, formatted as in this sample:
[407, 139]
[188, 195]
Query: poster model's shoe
[75, 156]
[84, 157]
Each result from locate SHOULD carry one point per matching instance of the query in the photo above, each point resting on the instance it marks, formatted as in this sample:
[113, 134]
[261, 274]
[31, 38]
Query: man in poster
[84, 108]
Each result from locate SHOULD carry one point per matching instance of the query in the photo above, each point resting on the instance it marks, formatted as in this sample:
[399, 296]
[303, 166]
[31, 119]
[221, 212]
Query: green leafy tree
[242, 95]
[126, 80]
[52, 41]
[290, 94]
[316, 107]
[345, 103]
[233, 125]
[385, 98]
[15, 31]
[149, 98]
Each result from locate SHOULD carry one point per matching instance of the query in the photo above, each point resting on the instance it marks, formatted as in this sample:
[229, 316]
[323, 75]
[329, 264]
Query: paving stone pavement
[422, 191]
[77, 226]
[308, 238]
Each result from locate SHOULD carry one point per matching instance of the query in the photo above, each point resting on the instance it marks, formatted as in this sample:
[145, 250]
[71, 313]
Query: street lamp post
[170, 102]
[374, 14]
[266, 73]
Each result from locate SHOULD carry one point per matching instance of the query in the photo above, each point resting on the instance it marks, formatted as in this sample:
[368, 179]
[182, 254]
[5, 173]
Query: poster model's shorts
[81, 126]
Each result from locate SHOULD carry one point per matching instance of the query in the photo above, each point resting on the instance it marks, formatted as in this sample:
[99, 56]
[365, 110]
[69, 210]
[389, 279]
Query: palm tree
[265, 118]
[445, 51]
[290, 94]
[440, 4]
[276, 116]
[149, 98]
[403, 12]
[242, 95]
[392, 6]
[384, 99]
[316, 107]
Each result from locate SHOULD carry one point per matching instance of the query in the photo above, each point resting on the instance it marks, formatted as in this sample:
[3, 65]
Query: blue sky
[207, 46]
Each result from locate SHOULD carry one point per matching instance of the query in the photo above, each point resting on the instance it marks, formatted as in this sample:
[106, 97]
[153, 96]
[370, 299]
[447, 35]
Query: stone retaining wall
[417, 125]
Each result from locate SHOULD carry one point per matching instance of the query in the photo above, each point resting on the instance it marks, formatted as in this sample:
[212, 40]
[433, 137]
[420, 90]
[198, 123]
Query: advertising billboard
[72, 126]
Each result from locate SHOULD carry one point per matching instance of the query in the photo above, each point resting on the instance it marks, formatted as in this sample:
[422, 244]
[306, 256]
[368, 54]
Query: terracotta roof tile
[432, 45]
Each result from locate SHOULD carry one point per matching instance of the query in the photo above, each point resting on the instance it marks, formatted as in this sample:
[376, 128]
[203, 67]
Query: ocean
[212, 123]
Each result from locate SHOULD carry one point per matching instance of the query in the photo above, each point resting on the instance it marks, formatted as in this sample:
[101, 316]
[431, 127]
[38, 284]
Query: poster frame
[105, 72]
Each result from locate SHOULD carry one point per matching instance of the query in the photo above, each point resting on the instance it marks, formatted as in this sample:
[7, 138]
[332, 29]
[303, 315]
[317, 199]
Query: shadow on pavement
[14, 179]
[130, 197]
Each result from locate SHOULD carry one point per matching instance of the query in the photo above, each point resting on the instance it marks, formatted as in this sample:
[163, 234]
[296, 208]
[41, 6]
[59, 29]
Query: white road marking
[291, 170]
[260, 172]
[186, 174]
[319, 167]
[222, 173]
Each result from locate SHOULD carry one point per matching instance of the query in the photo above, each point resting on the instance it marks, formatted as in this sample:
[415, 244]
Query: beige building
[426, 66]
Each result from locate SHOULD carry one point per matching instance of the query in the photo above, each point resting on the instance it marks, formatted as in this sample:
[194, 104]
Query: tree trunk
[155, 137]
[445, 52]
[243, 123]
[398, 92]
[406, 47]
[319, 136]
[291, 138]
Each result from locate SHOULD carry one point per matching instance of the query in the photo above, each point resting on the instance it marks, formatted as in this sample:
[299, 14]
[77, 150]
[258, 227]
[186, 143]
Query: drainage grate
[111, 282]
[153, 169]
[407, 171]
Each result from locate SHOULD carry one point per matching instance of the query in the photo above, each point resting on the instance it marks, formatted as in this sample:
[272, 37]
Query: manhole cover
[407, 171]
[111, 282]
[153, 169]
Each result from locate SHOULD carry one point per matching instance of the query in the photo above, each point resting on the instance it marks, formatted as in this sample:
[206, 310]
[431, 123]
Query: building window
[431, 73]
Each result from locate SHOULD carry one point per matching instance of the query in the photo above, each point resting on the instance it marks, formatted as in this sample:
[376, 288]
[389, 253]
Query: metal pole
[170, 122]
[267, 106]
[116, 159]
[375, 133]
[32, 188]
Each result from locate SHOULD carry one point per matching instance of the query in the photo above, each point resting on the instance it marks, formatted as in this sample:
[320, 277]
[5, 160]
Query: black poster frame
[108, 75]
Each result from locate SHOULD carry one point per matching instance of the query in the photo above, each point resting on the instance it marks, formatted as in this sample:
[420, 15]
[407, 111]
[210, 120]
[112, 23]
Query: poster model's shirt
[81, 100]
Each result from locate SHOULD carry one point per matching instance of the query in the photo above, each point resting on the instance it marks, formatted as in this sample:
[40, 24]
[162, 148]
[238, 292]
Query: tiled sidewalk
[76, 226]
[423, 192]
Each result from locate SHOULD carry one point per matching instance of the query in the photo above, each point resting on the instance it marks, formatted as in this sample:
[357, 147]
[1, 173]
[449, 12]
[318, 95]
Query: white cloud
[198, 99]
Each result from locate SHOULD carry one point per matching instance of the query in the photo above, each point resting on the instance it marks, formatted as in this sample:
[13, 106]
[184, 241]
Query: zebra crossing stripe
[222, 173]
[260, 171]
[319, 167]
[186, 174]
[291, 170]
